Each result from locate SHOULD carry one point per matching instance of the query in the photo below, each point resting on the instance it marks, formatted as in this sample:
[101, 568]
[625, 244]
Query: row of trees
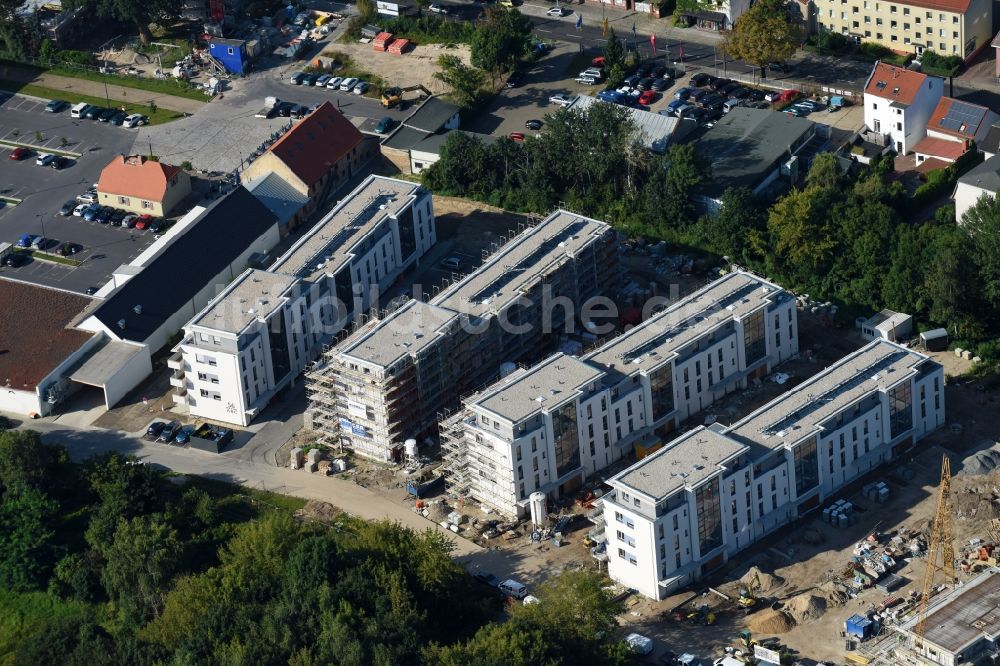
[860, 240]
[161, 573]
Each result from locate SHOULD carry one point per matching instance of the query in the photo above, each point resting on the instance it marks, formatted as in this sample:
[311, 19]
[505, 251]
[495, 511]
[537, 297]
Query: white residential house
[682, 512]
[899, 103]
[982, 181]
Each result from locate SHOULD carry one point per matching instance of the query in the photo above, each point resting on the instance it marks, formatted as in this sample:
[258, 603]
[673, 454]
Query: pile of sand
[805, 607]
[323, 512]
[832, 593]
[768, 582]
[983, 462]
[770, 622]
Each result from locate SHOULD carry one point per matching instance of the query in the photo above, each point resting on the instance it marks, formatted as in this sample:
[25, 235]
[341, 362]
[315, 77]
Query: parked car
[696, 114]
[597, 62]
[562, 100]
[117, 216]
[322, 81]
[135, 120]
[15, 259]
[144, 221]
[586, 80]
[157, 225]
[698, 94]
[334, 82]
[56, 105]
[672, 107]
[486, 578]
[44, 159]
[533, 124]
[514, 79]
[659, 85]
[92, 212]
[682, 94]
[702, 79]
[719, 84]
[659, 71]
[647, 97]
[67, 208]
[19, 154]
[645, 83]
[105, 215]
[347, 85]
[517, 137]
[361, 87]
[167, 432]
[88, 197]
[309, 79]
[60, 162]
[184, 433]
[154, 429]
[558, 12]
[119, 118]
[81, 209]
[94, 112]
[513, 588]
[129, 220]
[296, 78]
[106, 115]
[639, 644]
[594, 72]
[384, 125]
[631, 81]
[756, 95]
[438, 9]
[727, 90]
[739, 92]
[25, 240]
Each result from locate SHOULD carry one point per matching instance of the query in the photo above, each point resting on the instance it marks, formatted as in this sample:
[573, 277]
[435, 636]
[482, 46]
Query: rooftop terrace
[528, 391]
[530, 256]
[663, 335]
[328, 245]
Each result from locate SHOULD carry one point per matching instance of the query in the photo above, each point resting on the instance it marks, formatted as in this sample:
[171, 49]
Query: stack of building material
[839, 514]
[399, 47]
[382, 41]
[877, 492]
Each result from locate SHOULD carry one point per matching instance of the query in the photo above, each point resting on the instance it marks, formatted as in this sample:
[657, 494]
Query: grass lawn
[164, 86]
[235, 495]
[21, 614]
[159, 116]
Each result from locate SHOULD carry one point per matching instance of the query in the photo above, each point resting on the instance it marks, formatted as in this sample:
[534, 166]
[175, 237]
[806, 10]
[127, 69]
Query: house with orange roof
[954, 127]
[141, 185]
[899, 104]
[947, 27]
[318, 155]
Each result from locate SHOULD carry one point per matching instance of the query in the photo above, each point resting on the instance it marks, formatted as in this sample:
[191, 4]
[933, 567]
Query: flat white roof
[255, 294]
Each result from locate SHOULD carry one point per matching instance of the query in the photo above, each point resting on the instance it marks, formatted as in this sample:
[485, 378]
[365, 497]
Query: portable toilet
[296, 460]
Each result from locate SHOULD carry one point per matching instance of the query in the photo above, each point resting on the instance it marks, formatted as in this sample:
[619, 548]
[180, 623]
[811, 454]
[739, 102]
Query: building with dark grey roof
[154, 304]
[984, 180]
[749, 148]
[435, 117]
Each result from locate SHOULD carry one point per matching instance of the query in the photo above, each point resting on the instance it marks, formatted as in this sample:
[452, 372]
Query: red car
[144, 221]
[517, 137]
[597, 62]
[647, 97]
[20, 154]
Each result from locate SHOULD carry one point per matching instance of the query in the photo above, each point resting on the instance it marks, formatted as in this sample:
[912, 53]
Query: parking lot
[43, 191]
[224, 133]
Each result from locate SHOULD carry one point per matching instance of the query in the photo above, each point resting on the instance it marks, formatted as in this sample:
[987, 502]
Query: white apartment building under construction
[683, 511]
[259, 333]
[549, 427]
[390, 379]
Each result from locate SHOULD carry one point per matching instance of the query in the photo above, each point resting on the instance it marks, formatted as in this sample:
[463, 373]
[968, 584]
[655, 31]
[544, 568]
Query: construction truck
[748, 594]
[704, 615]
[393, 95]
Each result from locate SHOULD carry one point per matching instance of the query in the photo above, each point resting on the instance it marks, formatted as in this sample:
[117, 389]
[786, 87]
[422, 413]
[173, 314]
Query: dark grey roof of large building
[405, 138]
[186, 266]
[991, 143]
[746, 145]
[431, 115]
[985, 176]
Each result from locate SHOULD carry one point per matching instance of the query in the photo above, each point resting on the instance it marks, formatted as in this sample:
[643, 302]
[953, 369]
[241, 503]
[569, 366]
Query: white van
[78, 110]
[731, 104]
[514, 589]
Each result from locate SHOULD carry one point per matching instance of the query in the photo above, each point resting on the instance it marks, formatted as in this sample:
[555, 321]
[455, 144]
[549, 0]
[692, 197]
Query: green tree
[26, 463]
[673, 186]
[367, 9]
[125, 488]
[736, 229]
[824, 171]
[140, 13]
[982, 223]
[764, 34]
[77, 576]
[139, 563]
[614, 60]
[465, 81]
[68, 642]
[27, 536]
[951, 285]
[501, 39]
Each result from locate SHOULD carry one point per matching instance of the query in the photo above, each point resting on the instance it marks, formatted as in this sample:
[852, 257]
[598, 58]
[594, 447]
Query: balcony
[180, 397]
[177, 379]
[176, 361]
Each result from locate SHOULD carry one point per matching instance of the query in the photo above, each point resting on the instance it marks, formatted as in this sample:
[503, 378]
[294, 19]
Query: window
[147, 205]
[123, 201]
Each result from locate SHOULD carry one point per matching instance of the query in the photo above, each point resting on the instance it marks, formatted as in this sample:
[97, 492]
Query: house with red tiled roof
[898, 105]
[140, 185]
[318, 155]
[953, 128]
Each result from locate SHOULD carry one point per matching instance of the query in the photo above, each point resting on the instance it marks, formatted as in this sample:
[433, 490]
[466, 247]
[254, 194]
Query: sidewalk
[99, 89]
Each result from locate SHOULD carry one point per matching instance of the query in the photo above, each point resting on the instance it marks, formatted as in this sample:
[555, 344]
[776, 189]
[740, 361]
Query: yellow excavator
[748, 594]
[394, 95]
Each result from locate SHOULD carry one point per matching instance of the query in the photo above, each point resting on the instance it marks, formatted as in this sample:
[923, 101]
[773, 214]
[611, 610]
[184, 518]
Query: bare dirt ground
[414, 68]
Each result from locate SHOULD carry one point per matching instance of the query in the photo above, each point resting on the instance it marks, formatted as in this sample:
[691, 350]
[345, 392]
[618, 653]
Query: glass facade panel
[709, 516]
[566, 446]
[661, 384]
[900, 410]
[754, 346]
[806, 467]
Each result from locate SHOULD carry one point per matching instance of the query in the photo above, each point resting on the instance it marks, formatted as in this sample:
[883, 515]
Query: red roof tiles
[317, 143]
[136, 176]
[943, 148]
[894, 83]
[34, 339]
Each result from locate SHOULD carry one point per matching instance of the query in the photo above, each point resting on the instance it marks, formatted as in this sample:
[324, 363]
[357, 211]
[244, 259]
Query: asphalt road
[44, 190]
